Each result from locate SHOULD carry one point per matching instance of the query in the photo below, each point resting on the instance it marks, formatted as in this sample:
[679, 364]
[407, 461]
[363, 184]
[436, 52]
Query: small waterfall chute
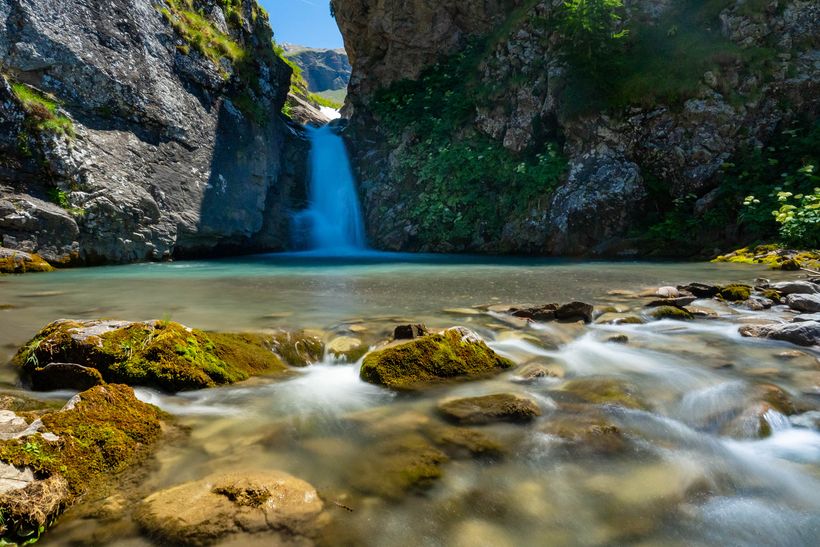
[333, 223]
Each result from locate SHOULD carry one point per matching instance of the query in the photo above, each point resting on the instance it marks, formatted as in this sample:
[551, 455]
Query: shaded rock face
[167, 156]
[617, 157]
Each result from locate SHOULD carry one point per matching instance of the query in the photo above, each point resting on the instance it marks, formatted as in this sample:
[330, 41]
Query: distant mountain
[327, 71]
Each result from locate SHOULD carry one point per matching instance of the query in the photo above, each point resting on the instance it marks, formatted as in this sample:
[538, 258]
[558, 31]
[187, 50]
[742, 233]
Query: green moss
[735, 292]
[29, 263]
[775, 256]
[106, 431]
[604, 391]
[160, 354]
[671, 312]
[431, 359]
[43, 110]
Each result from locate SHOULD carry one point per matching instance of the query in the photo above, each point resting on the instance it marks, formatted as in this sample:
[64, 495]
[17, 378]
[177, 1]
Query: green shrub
[800, 219]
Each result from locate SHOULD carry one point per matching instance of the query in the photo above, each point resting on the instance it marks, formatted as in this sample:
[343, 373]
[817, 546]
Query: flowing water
[332, 223]
[689, 472]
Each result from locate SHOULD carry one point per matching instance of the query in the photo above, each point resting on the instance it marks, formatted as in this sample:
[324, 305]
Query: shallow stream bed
[684, 468]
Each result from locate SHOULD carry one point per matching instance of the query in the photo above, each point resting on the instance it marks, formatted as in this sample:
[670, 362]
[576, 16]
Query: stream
[686, 474]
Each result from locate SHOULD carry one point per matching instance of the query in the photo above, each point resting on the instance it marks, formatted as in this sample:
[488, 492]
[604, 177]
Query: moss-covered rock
[462, 442]
[455, 354]
[773, 256]
[159, 354]
[99, 433]
[347, 349]
[501, 407]
[735, 292]
[671, 312]
[604, 391]
[299, 349]
[398, 466]
[17, 262]
[586, 434]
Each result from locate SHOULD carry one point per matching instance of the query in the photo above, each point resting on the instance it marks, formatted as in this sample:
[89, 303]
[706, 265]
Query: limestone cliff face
[123, 138]
[616, 154]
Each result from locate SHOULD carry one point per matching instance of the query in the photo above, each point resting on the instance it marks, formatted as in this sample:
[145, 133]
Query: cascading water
[333, 222]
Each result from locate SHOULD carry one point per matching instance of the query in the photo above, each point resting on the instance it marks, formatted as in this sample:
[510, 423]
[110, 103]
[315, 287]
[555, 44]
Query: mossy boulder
[17, 262]
[671, 312]
[586, 434]
[98, 434]
[271, 504]
[501, 407]
[159, 354]
[398, 466]
[455, 354]
[735, 292]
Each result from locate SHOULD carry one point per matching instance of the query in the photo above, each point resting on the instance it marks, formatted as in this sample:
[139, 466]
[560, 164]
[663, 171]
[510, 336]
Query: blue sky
[303, 22]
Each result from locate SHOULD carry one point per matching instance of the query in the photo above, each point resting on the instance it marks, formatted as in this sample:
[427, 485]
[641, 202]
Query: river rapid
[688, 468]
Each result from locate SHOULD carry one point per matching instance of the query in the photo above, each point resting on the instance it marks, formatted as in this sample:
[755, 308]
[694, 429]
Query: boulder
[700, 290]
[667, 292]
[455, 354]
[55, 376]
[735, 292]
[410, 332]
[806, 317]
[795, 287]
[541, 313]
[12, 261]
[671, 312]
[679, 302]
[575, 311]
[159, 354]
[602, 391]
[347, 348]
[99, 433]
[806, 333]
[502, 407]
[586, 434]
[462, 442]
[804, 303]
[221, 505]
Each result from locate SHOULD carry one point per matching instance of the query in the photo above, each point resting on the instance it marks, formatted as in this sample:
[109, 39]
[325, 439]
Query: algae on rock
[455, 354]
[159, 354]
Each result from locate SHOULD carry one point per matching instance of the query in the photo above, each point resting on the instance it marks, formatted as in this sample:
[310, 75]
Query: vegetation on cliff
[464, 187]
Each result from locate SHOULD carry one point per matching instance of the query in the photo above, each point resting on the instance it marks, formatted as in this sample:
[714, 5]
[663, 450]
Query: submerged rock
[16, 262]
[804, 303]
[679, 302]
[398, 466]
[806, 333]
[98, 434]
[502, 407]
[455, 354]
[224, 505]
[573, 311]
[586, 434]
[160, 354]
[603, 391]
[701, 290]
[460, 442]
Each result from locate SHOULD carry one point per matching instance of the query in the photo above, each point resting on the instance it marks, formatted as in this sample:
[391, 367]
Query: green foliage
[749, 191]
[60, 197]
[466, 186]
[324, 101]
[798, 215]
[647, 64]
[43, 110]
[200, 33]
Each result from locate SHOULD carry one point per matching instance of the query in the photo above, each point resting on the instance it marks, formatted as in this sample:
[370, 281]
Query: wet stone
[503, 407]
[410, 332]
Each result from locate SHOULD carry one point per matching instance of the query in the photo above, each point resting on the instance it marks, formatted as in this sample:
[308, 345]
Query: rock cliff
[323, 69]
[455, 104]
[143, 129]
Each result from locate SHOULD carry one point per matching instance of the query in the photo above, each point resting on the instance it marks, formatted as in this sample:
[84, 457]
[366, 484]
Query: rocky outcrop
[323, 69]
[125, 135]
[621, 155]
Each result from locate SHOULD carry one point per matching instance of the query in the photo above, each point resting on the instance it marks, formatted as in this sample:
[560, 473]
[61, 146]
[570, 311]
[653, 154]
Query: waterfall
[333, 221]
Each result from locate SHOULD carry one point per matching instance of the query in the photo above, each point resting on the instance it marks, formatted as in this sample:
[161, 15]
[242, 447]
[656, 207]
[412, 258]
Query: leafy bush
[798, 215]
